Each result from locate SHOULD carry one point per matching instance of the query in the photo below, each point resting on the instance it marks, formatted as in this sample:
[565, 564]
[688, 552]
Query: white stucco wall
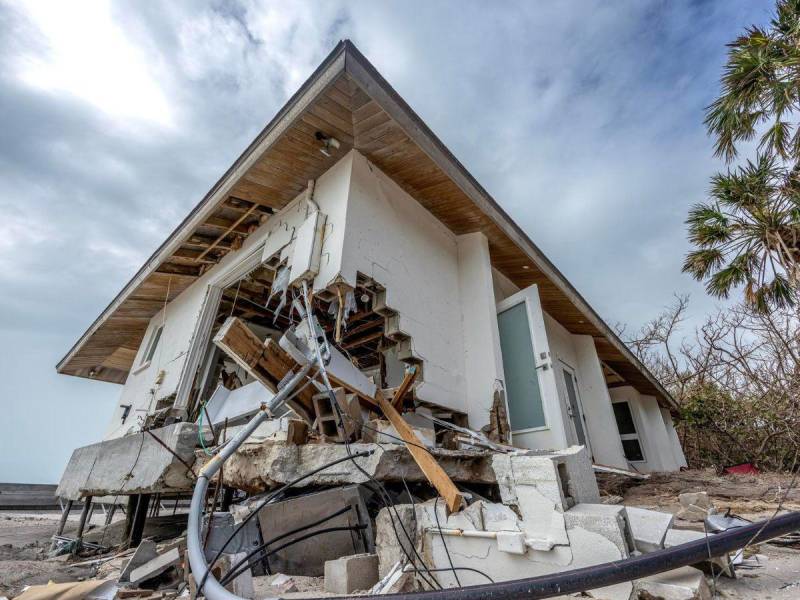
[183, 313]
[393, 239]
[483, 361]
[600, 422]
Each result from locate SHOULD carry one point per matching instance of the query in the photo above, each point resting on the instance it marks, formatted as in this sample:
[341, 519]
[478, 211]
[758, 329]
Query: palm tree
[748, 232]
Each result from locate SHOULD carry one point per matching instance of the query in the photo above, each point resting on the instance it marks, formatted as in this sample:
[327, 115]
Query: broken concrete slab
[258, 467]
[599, 533]
[686, 583]
[649, 528]
[107, 468]
[676, 537]
[155, 567]
[351, 573]
[145, 552]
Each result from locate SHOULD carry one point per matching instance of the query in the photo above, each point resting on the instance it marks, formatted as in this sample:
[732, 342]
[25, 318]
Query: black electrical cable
[441, 533]
[233, 575]
[382, 493]
[462, 569]
[387, 501]
[266, 501]
[277, 538]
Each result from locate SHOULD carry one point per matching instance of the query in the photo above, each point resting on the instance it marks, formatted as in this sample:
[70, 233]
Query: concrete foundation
[255, 468]
[686, 583]
[133, 464]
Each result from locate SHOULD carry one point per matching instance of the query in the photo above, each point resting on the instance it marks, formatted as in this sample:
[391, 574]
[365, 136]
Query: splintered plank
[432, 469]
[405, 385]
[266, 362]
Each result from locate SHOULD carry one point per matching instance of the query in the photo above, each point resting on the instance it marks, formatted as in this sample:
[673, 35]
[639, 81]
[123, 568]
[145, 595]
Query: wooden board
[266, 362]
[433, 471]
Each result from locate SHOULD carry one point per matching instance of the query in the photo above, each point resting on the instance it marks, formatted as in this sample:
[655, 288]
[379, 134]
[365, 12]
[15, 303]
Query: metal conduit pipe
[212, 589]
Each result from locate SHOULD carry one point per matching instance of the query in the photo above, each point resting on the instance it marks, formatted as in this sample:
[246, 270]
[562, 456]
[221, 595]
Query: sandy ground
[25, 538]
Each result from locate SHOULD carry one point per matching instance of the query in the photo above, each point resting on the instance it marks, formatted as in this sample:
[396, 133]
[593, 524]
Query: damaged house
[424, 293]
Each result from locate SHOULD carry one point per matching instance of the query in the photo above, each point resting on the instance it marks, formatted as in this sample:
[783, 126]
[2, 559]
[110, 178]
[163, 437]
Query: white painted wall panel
[393, 239]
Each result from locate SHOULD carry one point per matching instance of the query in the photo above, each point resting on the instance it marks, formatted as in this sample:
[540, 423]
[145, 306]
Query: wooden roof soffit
[347, 99]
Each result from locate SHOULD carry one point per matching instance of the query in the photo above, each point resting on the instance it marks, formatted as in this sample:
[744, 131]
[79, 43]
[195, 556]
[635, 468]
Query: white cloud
[88, 55]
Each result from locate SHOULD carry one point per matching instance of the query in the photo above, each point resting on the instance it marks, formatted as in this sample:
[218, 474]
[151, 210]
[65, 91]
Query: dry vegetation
[736, 379]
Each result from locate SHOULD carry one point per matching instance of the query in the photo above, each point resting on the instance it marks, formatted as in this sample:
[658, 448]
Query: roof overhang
[345, 98]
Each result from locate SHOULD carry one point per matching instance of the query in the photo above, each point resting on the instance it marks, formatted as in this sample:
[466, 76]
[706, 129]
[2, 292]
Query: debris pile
[332, 486]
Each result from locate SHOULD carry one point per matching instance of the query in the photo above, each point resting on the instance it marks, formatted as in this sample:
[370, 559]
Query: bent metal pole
[212, 589]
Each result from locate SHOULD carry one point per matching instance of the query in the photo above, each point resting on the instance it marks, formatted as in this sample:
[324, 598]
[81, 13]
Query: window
[152, 345]
[519, 365]
[631, 444]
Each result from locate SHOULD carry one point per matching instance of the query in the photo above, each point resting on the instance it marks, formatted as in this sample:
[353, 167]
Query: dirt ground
[25, 538]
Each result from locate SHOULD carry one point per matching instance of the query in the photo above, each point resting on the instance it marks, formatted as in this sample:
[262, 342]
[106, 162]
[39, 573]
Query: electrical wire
[446, 549]
[233, 575]
[479, 572]
[287, 534]
[266, 501]
[383, 494]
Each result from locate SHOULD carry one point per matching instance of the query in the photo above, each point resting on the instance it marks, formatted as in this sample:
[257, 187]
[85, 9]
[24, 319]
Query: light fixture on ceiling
[526, 267]
[328, 143]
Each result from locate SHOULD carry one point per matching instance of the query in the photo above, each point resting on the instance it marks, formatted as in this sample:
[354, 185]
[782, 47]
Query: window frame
[630, 436]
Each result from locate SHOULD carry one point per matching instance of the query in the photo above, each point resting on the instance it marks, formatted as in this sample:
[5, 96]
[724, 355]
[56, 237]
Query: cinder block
[649, 528]
[686, 583]
[351, 573]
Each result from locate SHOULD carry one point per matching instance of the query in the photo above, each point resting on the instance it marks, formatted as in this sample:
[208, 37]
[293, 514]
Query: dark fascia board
[373, 83]
[326, 72]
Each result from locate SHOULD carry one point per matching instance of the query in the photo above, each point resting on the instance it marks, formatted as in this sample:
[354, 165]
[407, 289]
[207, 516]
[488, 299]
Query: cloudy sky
[583, 119]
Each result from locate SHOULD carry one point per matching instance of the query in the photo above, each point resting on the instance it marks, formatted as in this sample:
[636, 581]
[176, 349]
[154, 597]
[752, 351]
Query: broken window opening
[631, 443]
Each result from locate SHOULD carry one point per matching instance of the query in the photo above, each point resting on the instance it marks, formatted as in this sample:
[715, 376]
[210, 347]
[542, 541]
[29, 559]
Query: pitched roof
[348, 99]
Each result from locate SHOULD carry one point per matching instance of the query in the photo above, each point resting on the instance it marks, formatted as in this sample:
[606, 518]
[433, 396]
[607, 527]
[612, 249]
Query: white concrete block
[350, 573]
[511, 542]
[607, 520]
[686, 583]
[649, 528]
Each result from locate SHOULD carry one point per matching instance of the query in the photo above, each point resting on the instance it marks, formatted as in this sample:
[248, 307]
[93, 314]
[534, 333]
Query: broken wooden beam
[432, 469]
[267, 362]
[405, 386]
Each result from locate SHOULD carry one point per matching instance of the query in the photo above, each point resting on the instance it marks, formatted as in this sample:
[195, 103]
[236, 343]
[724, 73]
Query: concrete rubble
[532, 513]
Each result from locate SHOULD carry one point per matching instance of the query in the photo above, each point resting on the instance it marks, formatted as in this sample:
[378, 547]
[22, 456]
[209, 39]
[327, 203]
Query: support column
[87, 509]
[482, 356]
[64, 516]
[137, 516]
[110, 513]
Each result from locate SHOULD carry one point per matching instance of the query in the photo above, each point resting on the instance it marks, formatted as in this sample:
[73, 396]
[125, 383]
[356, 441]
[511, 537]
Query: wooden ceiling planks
[347, 112]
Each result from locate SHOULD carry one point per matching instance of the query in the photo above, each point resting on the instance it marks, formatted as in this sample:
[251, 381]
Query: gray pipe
[212, 589]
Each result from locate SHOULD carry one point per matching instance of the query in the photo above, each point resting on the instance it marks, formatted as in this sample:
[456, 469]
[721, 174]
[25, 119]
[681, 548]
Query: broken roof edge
[331, 66]
[346, 58]
[381, 91]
